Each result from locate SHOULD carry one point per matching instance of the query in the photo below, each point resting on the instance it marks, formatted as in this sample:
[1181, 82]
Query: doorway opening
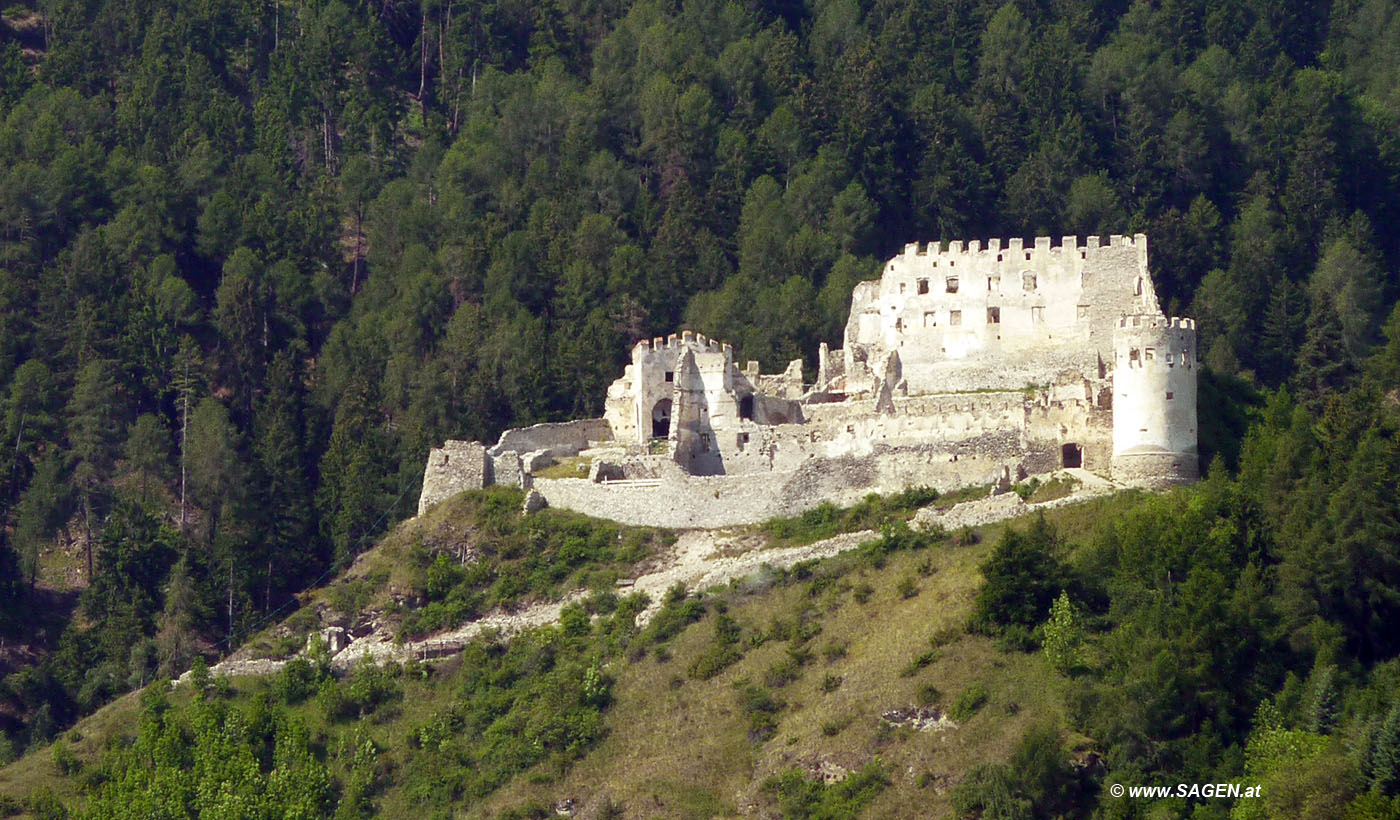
[1071, 455]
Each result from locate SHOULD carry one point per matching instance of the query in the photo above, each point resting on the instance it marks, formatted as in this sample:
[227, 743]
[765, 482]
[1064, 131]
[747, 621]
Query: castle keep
[965, 365]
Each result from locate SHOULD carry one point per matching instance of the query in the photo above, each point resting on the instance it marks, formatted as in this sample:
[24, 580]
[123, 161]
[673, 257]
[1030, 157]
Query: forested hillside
[257, 258]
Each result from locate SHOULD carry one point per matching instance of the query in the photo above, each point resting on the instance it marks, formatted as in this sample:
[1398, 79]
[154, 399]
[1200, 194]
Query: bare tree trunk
[423, 55]
[230, 598]
[326, 138]
[184, 429]
[87, 531]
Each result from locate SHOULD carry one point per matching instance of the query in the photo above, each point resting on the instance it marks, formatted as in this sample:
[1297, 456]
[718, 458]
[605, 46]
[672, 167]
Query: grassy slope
[680, 747]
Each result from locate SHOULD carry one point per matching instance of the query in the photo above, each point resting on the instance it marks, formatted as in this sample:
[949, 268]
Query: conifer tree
[1324, 364]
[94, 429]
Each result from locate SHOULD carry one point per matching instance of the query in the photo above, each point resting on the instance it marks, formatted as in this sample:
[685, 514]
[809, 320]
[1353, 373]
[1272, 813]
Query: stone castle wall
[453, 468]
[559, 438]
[961, 365]
[968, 318]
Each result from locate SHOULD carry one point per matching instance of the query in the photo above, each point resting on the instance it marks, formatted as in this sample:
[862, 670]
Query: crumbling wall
[969, 318]
[452, 468]
[688, 501]
[561, 439]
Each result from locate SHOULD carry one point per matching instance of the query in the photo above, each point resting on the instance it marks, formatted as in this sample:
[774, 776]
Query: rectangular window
[952, 284]
[1038, 315]
[901, 287]
[1132, 357]
[955, 317]
[1170, 359]
[670, 376]
[923, 286]
[993, 283]
[930, 319]
[1169, 395]
[993, 315]
[1151, 354]
[898, 324]
[1027, 281]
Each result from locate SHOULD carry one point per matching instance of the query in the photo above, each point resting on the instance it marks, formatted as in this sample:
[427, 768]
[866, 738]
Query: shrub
[803, 799]
[723, 650]
[919, 662]
[1063, 635]
[968, 702]
[64, 760]
[761, 709]
[1022, 579]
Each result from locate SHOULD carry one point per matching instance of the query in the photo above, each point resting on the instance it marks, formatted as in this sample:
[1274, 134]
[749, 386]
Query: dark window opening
[661, 419]
[993, 315]
[923, 286]
[746, 407]
[670, 375]
[952, 284]
[1071, 455]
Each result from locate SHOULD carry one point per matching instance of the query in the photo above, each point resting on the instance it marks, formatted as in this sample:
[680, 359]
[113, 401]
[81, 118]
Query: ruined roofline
[1041, 244]
[1149, 320]
[686, 338]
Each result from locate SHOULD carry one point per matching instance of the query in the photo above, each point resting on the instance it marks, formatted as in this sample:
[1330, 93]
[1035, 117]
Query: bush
[761, 709]
[675, 615]
[1016, 638]
[968, 702]
[724, 650]
[1063, 635]
[803, 799]
[64, 760]
[1022, 579]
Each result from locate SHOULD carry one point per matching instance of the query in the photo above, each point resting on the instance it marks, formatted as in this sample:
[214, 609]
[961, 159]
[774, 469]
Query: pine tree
[148, 450]
[1383, 755]
[1324, 365]
[42, 510]
[94, 428]
[287, 506]
[175, 631]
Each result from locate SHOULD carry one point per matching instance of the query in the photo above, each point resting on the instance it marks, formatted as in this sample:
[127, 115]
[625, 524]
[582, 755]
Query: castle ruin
[960, 366]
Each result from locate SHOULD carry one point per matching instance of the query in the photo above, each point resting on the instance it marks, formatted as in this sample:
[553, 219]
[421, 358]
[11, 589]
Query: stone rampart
[452, 468]
[561, 439]
[686, 501]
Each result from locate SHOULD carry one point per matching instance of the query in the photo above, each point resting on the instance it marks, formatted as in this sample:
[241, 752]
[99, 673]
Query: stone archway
[661, 419]
[746, 407]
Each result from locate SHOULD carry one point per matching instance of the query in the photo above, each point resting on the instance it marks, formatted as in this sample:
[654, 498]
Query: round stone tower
[1154, 401]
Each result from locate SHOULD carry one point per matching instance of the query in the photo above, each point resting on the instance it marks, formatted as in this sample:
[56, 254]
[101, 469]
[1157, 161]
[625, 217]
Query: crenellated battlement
[685, 339]
[1152, 320]
[1039, 245]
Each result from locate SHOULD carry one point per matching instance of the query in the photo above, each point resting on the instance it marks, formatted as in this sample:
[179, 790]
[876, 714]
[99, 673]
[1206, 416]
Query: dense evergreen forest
[256, 258]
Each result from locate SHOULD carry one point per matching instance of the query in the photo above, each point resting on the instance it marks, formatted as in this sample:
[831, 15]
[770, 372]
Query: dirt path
[700, 559]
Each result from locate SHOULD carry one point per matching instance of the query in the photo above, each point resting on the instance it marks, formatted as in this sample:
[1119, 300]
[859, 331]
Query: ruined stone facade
[959, 366]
